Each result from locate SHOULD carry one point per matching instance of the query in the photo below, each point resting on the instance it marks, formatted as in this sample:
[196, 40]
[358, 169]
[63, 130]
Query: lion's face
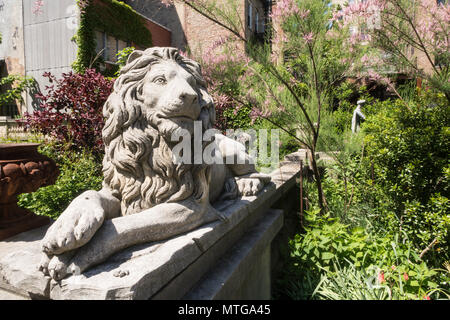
[171, 98]
[157, 93]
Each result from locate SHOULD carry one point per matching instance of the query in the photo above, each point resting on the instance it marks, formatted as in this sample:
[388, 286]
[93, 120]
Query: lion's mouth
[181, 118]
[177, 118]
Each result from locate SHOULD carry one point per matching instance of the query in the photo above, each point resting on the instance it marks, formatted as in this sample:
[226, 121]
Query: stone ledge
[247, 261]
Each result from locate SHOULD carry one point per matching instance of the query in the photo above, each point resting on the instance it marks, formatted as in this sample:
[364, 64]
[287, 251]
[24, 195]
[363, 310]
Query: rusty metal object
[22, 170]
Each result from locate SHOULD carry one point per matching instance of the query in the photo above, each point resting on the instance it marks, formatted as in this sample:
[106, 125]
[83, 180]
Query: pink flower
[167, 3]
[255, 114]
[393, 267]
[381, 277]
[426, 297]
[308, 37]
[286, 8]
[37, 9]
[405, 276]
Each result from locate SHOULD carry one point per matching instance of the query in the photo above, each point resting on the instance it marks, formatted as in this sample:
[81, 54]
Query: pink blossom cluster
[375, 76]
[430, 20]
[360, 9]
[284, 8]
[167, 3]
[281, 11]
[433, 25]
[256, 114]
[217, 60]
[37, 8]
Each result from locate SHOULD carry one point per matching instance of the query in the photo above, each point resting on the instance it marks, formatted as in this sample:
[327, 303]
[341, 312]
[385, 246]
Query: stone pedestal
[22, 170]
[221, 260]
[243, 273]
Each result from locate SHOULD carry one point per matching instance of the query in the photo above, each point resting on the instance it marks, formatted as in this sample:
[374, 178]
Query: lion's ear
[134, 55]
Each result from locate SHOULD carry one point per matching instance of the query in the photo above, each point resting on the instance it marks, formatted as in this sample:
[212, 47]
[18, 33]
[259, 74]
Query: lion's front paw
[249, 186]
[74, 228]
[58, 267]
[43, 264]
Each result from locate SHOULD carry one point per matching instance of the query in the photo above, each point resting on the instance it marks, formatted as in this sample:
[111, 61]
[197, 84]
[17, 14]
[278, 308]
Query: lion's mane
[138, 165]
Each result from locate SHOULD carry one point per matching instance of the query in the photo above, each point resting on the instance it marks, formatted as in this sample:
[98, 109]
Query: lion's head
[158, 92]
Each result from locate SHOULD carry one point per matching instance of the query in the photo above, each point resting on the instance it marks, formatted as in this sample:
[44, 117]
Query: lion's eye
[160, 80]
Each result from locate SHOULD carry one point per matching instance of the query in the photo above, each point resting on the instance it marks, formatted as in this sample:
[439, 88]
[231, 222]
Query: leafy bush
[14, 85]
[122, 57]
[71, 111]
[333, 261]
[79, 171]
[408, 151]
[350, 283]
[413, 282]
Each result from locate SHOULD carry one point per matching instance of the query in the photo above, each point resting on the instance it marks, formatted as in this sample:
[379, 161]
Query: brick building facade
[196, 32]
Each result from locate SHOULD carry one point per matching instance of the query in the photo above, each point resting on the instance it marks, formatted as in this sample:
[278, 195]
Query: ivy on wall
[112, 17]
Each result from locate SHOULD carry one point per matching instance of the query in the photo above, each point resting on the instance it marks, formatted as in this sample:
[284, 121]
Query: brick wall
[170, 17]
[189, 28]
[161, 37]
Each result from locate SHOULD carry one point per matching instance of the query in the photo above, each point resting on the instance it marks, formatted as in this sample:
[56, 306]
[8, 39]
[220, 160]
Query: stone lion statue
[146, 196]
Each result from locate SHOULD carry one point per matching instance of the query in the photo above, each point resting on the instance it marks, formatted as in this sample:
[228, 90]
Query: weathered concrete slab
[18, 264]
[145, 271]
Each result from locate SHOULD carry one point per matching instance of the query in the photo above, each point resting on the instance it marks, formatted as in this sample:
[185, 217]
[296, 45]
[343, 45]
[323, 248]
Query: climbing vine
[113, 17]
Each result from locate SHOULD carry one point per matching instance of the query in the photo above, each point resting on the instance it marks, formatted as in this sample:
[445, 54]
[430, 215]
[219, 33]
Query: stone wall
[10, 129]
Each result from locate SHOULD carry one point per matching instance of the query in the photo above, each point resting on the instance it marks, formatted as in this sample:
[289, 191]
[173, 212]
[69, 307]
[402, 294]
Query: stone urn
[22, 170]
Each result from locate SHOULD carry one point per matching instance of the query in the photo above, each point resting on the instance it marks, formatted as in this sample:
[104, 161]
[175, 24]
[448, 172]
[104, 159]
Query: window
[249, 16]
[108, 46]
[256, 22]
[9, 109]
[111, 49]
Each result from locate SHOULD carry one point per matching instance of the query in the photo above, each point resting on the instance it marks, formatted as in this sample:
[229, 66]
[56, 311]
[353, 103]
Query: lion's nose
[189, 97]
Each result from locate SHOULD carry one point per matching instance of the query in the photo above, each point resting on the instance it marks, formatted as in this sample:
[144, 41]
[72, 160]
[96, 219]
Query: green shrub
[408, 153]
[79, 171]
[349, 263]
[12, 87]
[407, 281]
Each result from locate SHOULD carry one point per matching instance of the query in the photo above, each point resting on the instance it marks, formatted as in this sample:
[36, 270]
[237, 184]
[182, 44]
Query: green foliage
[32, 137]
[122, 57]
[407, 281]
[349, 283]
[409, 154]
[116, 19]
[16, 85]
[342, 262]
[327, 238]
[79, 171]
